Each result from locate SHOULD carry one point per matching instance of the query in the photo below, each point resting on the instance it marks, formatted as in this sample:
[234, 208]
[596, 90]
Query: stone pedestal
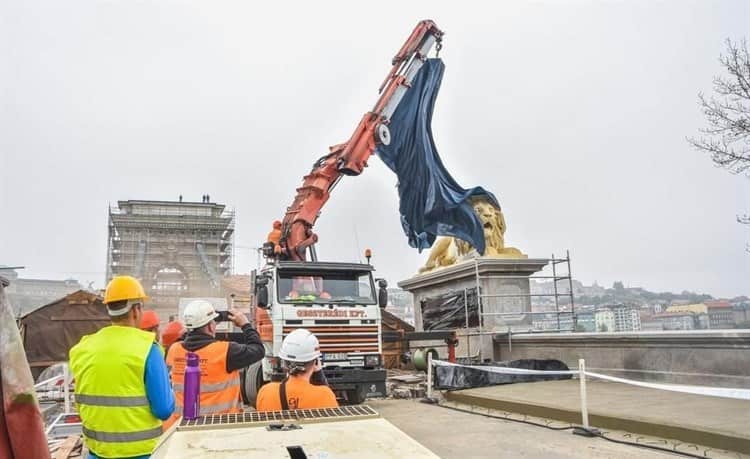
[504, 286]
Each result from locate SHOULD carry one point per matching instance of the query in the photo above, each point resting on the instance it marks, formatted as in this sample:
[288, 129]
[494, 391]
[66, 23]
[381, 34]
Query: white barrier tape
[47, 381]
[726, 392]
[505, 370]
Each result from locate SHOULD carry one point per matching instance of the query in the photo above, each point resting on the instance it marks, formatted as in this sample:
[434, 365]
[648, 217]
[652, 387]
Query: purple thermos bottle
[192, 395]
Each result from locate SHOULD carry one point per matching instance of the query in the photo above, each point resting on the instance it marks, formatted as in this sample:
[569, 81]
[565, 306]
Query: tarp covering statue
[432, 203]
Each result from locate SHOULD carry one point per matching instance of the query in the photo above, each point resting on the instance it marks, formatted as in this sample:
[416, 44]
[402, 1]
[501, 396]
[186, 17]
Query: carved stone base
[504, 285]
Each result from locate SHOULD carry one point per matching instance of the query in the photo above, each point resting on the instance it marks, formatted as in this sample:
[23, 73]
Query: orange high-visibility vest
[220, 391]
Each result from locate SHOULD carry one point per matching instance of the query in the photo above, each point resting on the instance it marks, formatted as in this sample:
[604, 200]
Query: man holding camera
[220, 361]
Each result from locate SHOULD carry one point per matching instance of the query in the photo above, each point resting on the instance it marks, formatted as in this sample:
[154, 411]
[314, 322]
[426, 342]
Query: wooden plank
[67, 447]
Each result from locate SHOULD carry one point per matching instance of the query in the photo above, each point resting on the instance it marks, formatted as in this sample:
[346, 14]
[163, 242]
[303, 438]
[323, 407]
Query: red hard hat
[171, 333]
[149, 320]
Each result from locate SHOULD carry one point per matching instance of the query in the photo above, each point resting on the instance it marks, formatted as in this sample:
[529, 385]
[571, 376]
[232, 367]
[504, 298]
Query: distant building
[626, 318]
[651, 325]
[585, 322]
[695, 308]
[27, 295]
[680, 302]
[177, 249]
[741, 313]
[720, 314]
[676, 320]
[605, 320]
[617, 318]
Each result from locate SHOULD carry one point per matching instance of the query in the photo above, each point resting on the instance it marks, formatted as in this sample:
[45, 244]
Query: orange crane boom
[350, 158]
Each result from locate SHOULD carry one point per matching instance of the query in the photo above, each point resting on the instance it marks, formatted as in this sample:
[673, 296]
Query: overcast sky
[573, 113]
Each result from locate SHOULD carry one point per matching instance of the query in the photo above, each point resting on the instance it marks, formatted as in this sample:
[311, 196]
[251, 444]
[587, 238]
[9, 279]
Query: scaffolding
[556, 294]
[534, 307]
[176, 249]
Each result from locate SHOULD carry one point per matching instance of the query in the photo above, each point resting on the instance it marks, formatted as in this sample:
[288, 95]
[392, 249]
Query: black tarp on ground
[459, 377]
[448, 312]
[432, 203]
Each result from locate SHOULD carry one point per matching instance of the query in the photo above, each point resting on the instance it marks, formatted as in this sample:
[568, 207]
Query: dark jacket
[238, 355]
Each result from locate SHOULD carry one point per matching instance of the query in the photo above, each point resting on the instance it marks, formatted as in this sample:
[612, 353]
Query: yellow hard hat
[124, 288]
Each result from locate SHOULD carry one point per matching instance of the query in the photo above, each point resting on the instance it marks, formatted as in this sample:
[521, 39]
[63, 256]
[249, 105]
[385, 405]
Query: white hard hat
[300, 346]
[198, 313]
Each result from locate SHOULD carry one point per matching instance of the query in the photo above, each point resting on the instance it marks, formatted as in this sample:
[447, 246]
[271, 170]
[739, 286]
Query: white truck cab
[340, 304]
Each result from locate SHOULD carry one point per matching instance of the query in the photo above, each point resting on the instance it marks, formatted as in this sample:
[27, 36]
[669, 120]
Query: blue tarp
[432, 203]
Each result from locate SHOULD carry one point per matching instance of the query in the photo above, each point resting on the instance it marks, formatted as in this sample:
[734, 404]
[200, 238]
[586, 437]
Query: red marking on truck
[331, 313]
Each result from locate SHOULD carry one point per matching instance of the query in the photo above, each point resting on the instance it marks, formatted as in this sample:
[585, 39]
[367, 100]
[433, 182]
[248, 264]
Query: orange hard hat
[172, 333]
[149, 320]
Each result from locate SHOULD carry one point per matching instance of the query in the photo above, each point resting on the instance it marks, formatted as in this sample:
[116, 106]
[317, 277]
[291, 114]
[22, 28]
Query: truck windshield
[341, 287]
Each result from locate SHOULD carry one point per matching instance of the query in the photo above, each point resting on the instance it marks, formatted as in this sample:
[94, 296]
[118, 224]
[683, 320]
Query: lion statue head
[448, 250]
[493, 222]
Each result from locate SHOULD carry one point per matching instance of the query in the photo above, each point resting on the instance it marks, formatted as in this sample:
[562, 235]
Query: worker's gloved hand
[238, 317]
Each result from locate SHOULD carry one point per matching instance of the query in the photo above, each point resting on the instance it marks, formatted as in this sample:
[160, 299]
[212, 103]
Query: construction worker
[122, 385]
[275, 236]
[150, 323]
[173, 332]
[300, 352]
[220, 361]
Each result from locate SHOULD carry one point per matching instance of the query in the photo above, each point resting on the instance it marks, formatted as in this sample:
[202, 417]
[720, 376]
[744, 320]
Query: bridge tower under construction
[176, 249]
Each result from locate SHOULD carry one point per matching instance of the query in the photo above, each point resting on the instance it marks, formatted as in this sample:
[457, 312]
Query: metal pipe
[516, 295]
[466, 311]
[522, 277]
[572, 303]
[429, 375]
[554, 284]
[533, 313]
[66, 390]
[510, 343]
[480, 309]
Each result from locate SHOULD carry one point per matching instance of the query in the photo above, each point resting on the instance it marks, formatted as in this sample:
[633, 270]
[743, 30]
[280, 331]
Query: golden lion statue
[448, 251]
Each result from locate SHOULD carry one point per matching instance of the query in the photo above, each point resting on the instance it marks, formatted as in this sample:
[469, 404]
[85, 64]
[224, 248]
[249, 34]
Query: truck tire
[355, 396]
[252, 380]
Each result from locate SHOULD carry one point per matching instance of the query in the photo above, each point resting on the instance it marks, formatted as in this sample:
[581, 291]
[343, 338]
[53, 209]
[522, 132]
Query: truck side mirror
[261, 294]
[382, 293]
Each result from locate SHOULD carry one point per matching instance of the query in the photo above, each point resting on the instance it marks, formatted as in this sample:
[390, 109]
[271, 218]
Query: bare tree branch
[727, 136]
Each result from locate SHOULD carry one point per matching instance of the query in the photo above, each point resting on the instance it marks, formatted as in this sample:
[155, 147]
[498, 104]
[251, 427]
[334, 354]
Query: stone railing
[702, 357]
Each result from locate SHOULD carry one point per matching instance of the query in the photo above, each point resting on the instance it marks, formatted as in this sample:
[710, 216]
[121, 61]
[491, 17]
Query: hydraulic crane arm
[350, 158]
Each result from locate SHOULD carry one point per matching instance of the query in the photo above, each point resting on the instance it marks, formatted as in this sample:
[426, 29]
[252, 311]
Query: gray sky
[574, 113]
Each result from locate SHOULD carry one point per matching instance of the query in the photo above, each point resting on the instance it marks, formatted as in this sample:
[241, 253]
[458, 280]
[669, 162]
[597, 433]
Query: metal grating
[275, 417]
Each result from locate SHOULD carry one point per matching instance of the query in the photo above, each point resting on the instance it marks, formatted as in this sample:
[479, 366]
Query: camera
[222, 317]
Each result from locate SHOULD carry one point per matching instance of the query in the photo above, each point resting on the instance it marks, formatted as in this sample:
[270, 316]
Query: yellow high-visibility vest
[110, 392]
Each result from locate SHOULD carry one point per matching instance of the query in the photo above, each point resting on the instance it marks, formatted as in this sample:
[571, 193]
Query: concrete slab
[710, 421]
[365, 438]
[452, 434]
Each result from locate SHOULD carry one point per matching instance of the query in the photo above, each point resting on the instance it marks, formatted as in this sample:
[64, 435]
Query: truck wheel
[252, 380]
[355, 397]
